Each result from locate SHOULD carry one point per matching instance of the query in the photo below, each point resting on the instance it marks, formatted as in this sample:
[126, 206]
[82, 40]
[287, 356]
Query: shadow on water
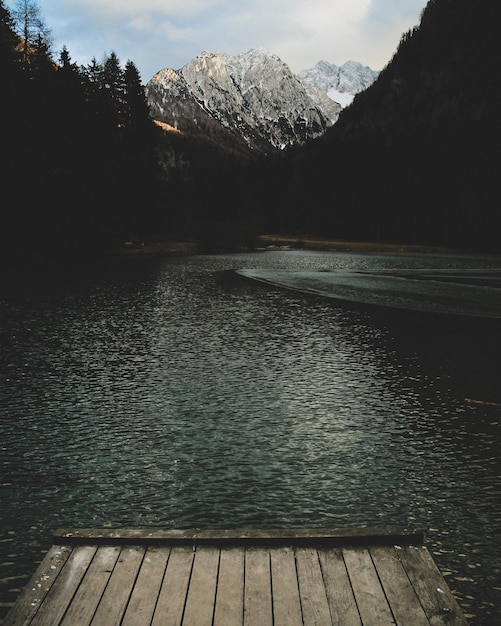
[463, 350]
[467, 346]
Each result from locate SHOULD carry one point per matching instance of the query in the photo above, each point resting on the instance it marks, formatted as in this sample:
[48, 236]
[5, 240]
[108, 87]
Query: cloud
[333, 14]
[168, 33]
[385, 22]
[127, 8]
[390, 13]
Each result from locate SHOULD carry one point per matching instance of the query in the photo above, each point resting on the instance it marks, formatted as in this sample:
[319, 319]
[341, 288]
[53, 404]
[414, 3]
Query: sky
[155, 34]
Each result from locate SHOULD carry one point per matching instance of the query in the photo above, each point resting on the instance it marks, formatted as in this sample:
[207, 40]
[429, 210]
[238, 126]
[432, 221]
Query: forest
[414, 159]
[80, 166]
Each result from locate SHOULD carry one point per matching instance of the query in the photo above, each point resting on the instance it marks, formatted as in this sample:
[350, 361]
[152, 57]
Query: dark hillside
[416, 157]
[79, 169]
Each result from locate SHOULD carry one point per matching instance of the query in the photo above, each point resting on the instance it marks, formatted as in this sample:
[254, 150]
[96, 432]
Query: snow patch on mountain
[253, 94]
[340, 83]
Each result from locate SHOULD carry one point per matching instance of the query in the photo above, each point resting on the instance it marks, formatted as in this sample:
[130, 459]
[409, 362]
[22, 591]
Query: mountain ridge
[423, 139]
[253, 95]
[341, 83]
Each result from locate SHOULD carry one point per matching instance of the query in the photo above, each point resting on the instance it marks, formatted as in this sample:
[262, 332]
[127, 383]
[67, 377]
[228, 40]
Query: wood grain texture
[172, 598]
[257, 588]
[89, 594]
[147, 588]
[38, 587]
[401, 595]
[65, 586]
[229, 610]
[236, 578]
[285, 588]
[202, 590]
[342, 604]
[116, 596]
[371, 600]
[254, 537]
[434, 594]
[311, 587]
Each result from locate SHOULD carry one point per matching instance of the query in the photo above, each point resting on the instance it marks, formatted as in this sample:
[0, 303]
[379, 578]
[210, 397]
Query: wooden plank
[171, 601]
[401, 595]
[85, 602]
[65, 586]
[230, 588]
[371, 601]
[114, 602]
[311, 587]
[285, 588]
[291, 536]
[257, 588]
[436, 598]
[38, 586]
[147, 588]
[238, 578]
[339, 592]
[202, 590]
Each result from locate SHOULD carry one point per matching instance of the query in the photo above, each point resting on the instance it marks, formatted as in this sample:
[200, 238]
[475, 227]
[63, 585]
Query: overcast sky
[168, 33]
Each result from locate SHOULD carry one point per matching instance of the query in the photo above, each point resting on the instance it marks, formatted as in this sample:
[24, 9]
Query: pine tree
[137, 112]
[65, 62]
[92, 77]
[114, 83]
[94, 73]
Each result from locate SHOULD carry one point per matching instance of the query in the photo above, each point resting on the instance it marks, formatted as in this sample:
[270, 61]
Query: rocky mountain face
[253, 96]
[340, 83]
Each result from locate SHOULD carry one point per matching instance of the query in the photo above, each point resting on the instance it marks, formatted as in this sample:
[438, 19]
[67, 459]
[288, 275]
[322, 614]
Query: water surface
[176, 393]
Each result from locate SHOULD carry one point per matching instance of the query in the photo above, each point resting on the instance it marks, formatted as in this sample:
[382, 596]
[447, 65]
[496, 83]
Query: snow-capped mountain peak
[252, 94]
[340, 83]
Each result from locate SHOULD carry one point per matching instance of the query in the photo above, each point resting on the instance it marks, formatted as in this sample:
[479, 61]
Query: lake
[177, 393]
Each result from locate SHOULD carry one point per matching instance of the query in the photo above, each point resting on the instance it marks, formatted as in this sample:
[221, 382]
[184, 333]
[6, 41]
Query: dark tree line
[79, 148]
[86, 167]
[416, 157]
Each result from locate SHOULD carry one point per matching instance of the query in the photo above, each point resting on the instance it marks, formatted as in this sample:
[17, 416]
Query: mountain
[340, 83]
[415, 159]
[254, 96]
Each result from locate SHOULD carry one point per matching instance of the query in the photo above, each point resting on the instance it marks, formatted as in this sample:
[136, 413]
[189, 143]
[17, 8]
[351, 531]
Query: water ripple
[176, 394]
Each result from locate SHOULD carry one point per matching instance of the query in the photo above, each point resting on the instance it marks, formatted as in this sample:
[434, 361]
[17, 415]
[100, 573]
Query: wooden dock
[290, 578]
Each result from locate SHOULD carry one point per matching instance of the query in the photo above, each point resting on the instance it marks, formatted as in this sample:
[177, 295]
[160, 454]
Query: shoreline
[314, 242]
[280, 242]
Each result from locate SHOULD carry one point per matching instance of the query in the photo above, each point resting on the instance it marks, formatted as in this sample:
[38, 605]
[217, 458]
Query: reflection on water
[175, 393]
[473, 293]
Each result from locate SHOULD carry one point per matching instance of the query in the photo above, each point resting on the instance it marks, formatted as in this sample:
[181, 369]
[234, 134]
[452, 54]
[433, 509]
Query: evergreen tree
[65, 62]
[41, 61]
[136, 111]
[94, 73]
[96, 93]
[114, 83]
